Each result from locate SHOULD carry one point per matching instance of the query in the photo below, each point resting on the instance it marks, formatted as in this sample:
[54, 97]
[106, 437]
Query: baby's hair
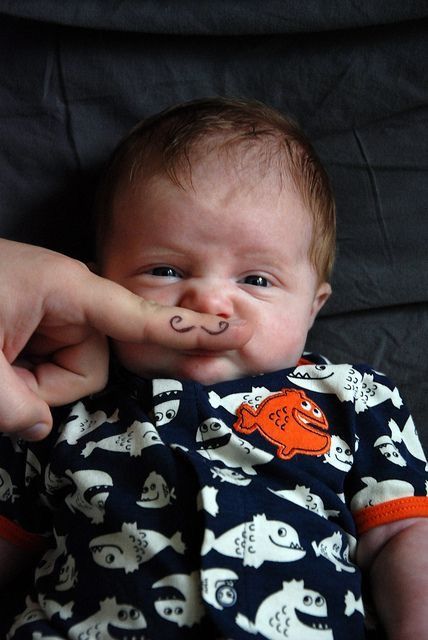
[163, 144]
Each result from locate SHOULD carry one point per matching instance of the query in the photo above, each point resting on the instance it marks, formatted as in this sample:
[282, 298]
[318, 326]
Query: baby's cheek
[282, 345]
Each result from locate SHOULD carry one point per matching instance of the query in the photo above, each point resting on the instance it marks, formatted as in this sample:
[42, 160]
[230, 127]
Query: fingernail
[36, 432]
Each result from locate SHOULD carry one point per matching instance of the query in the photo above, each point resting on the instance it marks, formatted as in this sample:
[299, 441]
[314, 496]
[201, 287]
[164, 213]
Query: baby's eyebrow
[160, 251]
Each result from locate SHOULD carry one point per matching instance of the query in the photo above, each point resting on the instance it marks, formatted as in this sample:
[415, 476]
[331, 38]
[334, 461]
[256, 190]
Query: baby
[221, 494]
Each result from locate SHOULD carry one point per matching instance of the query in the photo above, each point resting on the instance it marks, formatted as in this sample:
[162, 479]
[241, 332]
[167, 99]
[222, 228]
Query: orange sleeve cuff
[21, 538]
[400, 509]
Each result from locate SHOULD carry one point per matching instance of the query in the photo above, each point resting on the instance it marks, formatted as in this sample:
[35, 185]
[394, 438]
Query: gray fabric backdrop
[75, 76]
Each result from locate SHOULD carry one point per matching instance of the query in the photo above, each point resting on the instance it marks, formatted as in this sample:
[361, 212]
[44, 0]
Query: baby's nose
[208, 296]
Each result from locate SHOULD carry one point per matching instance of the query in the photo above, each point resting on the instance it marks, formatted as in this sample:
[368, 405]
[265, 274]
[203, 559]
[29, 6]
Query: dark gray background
[75, 76]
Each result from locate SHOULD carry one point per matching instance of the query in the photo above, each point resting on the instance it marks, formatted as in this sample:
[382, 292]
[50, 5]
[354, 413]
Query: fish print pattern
[169, 509]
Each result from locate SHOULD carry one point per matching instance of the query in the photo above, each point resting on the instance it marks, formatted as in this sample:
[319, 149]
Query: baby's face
[227, 246]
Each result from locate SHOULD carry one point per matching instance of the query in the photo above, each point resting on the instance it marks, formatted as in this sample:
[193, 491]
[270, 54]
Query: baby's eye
[256, 281]
[164, 272]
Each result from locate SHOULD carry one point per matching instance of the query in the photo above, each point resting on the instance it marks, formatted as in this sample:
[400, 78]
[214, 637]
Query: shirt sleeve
[389, 478]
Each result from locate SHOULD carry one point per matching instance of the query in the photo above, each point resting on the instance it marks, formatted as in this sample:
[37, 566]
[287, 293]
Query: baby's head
[220, 206]
[243, 134]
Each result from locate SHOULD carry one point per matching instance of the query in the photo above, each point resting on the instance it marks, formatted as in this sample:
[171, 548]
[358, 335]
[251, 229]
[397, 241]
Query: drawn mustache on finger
[176, 321]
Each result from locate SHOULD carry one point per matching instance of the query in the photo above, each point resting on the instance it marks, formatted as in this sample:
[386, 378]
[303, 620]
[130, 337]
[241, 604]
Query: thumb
[22, 412]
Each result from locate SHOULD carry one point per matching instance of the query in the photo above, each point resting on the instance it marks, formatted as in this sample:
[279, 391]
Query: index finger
[126, 317]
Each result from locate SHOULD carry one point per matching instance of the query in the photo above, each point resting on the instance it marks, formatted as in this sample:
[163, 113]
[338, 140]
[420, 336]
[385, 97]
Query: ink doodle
[176, 321]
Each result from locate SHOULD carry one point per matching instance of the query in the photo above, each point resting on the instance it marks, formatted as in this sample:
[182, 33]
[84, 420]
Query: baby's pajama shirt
[168, 509]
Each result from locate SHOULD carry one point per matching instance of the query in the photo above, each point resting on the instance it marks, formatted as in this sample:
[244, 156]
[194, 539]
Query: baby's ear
[322, 294]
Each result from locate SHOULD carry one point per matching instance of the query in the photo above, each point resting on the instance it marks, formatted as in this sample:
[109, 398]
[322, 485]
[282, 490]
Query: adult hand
[54, 316]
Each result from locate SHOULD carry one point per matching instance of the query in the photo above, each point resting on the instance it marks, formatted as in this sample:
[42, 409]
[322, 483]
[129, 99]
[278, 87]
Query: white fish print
[353, 604]
[186, 609]
[234, 400]
[8, 491]
[347, 383]
[377, 492]
[137, 437]
[110, 618]
[340, 454]
[91, 489]
[207, 499]
[294, 612]
[54, 483]
[81, 422]
[332, 549]
[31, 613]
[389, 450]
[303, 496]
[130, 547]
[51, 608]
[256, 542]
[32, 467]
[156, 493]
[408, 435]
[230, 475]
[67, 575]
[218, 442]
[166, 400]
[47, 563]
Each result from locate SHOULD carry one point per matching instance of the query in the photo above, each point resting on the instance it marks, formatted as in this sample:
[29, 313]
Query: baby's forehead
[251, 165]
[252, 186]
[241, 153]
[220, 164]
[214, 180]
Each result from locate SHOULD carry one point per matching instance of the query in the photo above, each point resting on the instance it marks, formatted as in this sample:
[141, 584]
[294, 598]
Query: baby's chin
[206, 370]
[202, 368]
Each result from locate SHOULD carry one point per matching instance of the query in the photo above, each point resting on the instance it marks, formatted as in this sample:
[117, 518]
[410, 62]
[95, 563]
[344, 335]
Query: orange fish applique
[290, 420]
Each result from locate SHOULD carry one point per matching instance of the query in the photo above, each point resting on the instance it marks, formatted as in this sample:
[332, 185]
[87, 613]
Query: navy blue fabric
[170, 513]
